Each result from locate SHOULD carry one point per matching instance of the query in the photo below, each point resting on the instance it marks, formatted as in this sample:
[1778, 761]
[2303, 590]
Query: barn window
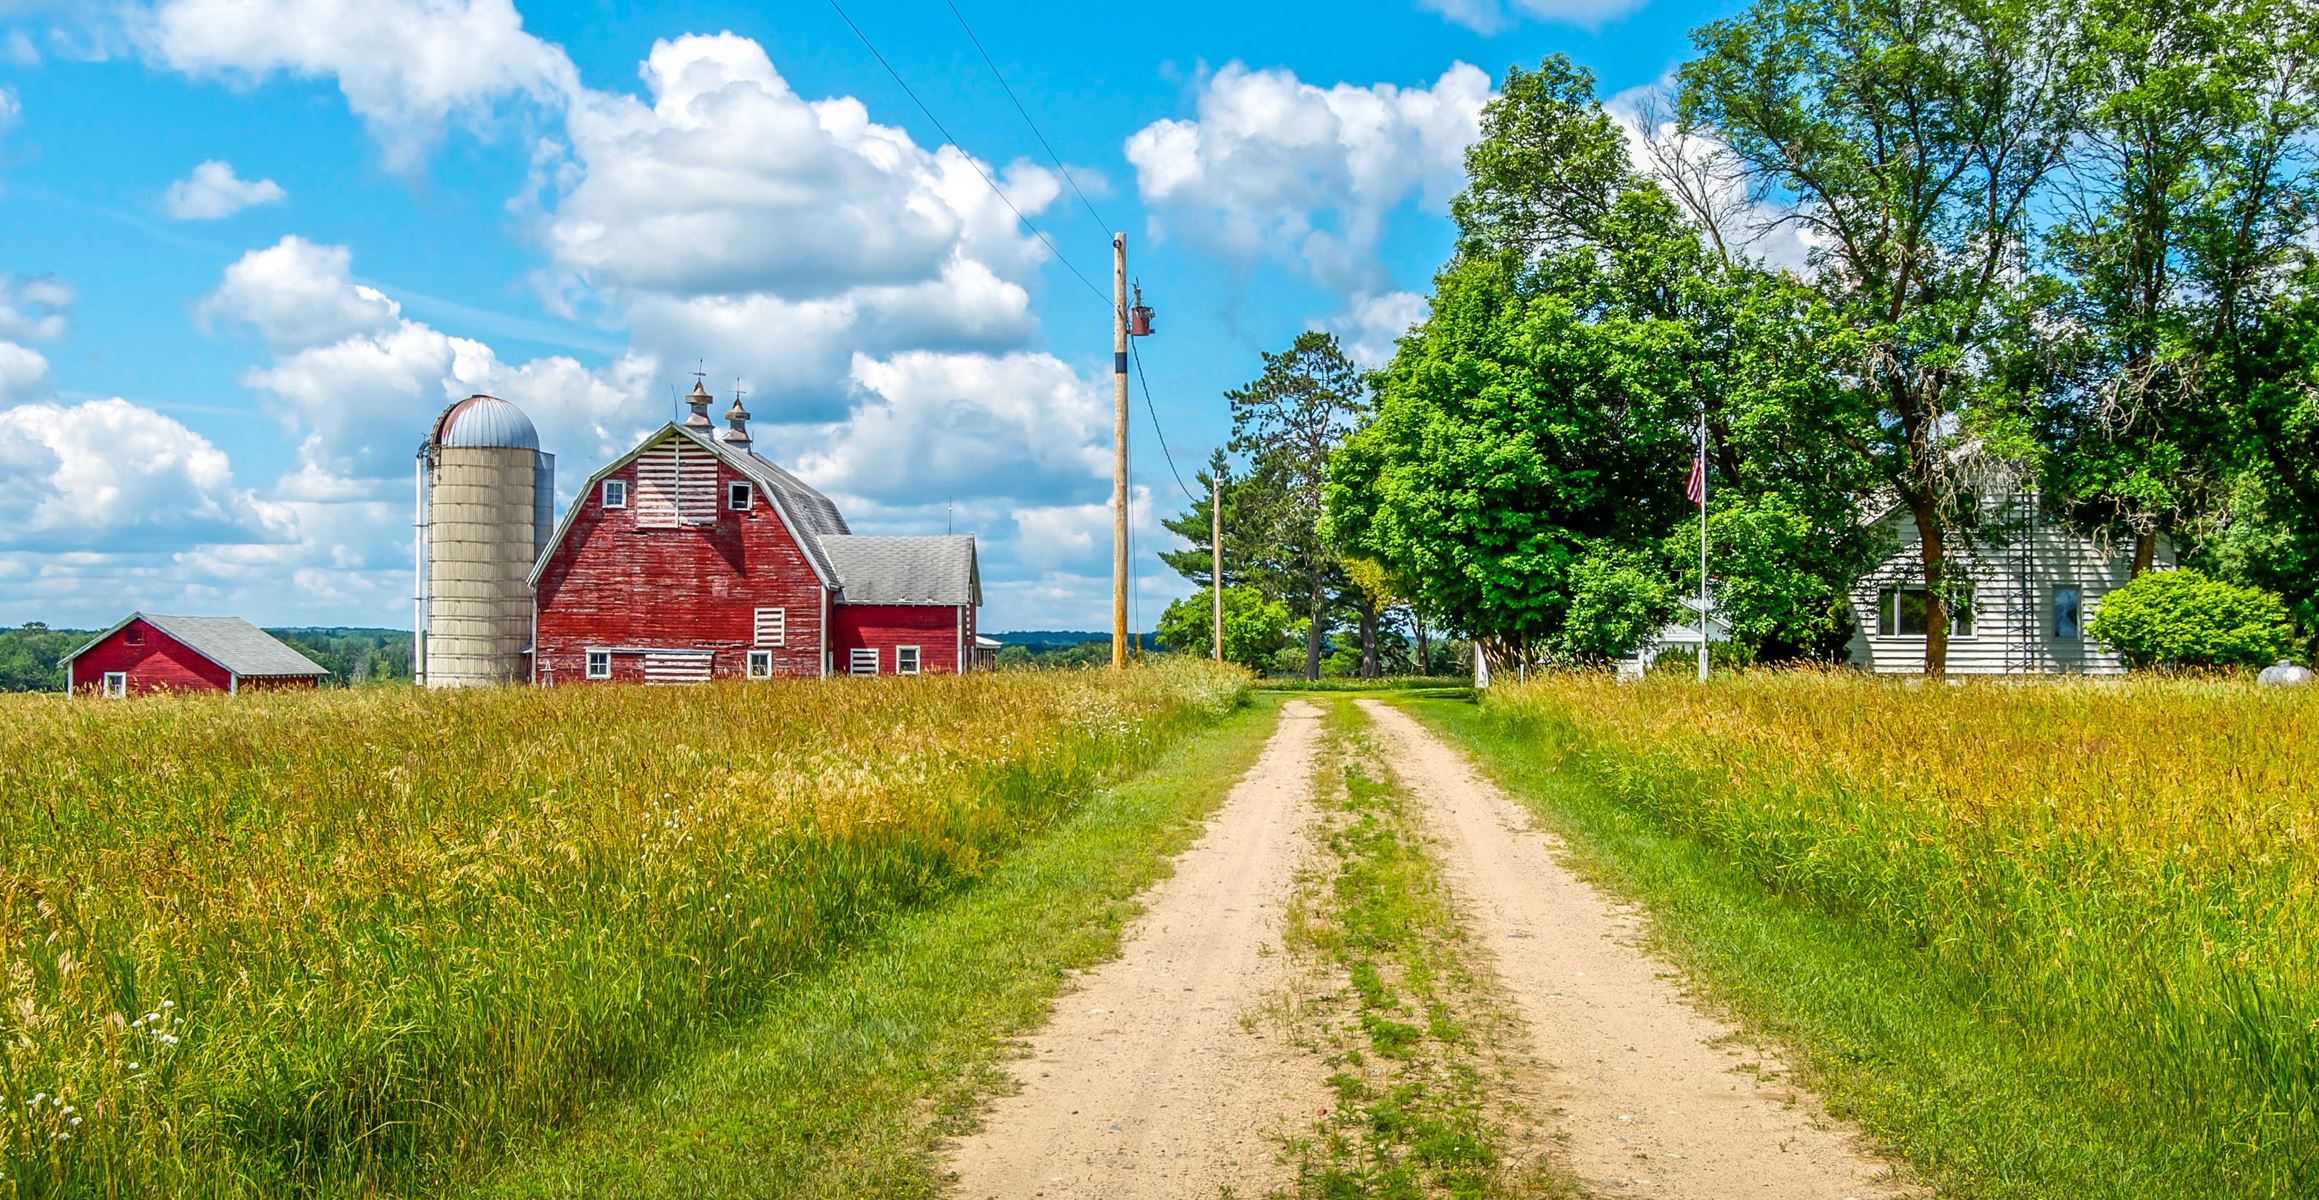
[116, 684]
[1906, 612]
[760, 664]
[134, 637]
[599, 664]
[615, 493]
[905, 660]
[2068, 614]
[864, 661]
[772, 627]
[738, 496]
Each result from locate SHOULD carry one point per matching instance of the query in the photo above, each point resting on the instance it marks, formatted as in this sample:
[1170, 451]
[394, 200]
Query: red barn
[150, 653]
[692, 558]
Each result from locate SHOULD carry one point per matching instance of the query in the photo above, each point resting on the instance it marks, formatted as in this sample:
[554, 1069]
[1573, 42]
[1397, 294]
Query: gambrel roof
[230, 642]
[905, 570]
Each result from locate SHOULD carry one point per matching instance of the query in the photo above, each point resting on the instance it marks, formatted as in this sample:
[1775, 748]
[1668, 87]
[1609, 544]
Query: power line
[1155, 425]
[1053, 157]
[970, 159]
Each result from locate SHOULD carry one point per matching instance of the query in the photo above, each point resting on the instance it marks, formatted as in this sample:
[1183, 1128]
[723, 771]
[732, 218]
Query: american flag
[1696, 487]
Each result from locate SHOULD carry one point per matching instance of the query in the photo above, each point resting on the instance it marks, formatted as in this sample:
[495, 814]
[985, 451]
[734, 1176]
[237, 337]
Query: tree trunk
[1932, 541]
[2145, 552]
[1368, 610]
[1417, 626]
[1312, 633]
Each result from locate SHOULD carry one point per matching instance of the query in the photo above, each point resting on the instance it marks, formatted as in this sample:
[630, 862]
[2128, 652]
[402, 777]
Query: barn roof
[230, 642]
[905, 570]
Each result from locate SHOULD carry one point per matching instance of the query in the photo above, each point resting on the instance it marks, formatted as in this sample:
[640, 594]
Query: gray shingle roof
[230, 642]
[905, 570]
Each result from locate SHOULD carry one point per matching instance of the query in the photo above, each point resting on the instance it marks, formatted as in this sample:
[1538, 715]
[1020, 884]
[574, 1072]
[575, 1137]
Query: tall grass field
[360, 943]
[2116, 884]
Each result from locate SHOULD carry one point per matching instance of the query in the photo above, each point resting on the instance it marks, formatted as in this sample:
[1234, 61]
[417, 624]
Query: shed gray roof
[230, 642]
[905, 570]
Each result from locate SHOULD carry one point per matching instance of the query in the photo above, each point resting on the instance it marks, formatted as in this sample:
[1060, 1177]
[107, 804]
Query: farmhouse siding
[162, 664]
[885, 628]
[632, 579]
[2013, 610]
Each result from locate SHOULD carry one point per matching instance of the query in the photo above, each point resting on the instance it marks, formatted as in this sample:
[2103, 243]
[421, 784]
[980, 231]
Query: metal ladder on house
[2023, 654]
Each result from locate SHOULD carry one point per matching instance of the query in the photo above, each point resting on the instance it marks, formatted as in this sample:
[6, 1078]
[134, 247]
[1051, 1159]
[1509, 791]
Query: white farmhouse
[2032, 596]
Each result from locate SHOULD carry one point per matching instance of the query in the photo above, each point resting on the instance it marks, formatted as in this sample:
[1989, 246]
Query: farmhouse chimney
[737, 418]
[699, 402]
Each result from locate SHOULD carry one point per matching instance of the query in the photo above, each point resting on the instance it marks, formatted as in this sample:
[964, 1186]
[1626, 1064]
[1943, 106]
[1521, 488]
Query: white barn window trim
[739, 495]
[599, 664]
[116, 685]
[772, 627]
[615, 493]
[760, 664]
[862, 661]
[906, 660]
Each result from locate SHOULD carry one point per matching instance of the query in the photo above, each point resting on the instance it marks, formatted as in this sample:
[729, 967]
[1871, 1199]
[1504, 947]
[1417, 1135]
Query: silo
[486, 505]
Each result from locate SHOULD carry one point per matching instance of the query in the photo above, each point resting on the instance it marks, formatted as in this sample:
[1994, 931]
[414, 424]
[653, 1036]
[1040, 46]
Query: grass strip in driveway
[1905, 1050]
[856, 1072]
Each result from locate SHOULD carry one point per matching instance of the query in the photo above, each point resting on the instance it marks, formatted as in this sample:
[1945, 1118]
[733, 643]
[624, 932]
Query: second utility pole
[1216, 546]
[1119, 451]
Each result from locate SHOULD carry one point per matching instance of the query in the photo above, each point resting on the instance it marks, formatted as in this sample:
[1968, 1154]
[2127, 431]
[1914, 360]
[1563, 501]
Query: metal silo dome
[486, 422]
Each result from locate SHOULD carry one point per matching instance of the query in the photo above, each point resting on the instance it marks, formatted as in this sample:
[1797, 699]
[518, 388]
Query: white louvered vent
[772, 627]
[676, 666]
[676, 484]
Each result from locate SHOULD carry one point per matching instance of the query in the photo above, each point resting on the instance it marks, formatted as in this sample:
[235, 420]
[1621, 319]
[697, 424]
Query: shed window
[863, 661]
[1905, 612]
[599, 664]
[738, 496]
[772, 627]
[134, 637]
[760, 664]
[2068, 614]
[615, 493]
[905, 660]
[116, 684]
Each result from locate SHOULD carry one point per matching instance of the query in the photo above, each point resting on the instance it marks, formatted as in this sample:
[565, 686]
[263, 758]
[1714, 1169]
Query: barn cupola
[699, 402]
[737, 422]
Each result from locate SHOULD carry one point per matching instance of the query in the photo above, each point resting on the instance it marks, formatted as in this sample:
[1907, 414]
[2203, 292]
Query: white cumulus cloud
[214, 191]
[36, 308]
[1372, 324]
[1273, 165]
[296, 294]
[23, 373]
[1496, 16]
[407, 67]
[108, 475]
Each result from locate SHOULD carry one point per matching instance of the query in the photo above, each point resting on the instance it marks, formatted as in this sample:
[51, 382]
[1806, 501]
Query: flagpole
[1702, 542]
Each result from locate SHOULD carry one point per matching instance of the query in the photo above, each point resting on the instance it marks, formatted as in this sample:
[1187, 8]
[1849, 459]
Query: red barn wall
[931, 628]
[611, 584]
[162, 664]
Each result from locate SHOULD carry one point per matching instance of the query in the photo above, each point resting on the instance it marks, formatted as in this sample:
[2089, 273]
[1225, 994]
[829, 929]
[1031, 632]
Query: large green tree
[1913, 138]
[1288, 422]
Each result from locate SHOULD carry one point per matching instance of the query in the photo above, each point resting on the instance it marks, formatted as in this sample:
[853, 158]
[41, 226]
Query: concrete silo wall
[482, 536]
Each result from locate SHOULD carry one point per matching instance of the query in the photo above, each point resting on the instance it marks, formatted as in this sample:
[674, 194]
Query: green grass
[1931, 1007]
[844, 1084]
[1410, 1025]
[358, 943]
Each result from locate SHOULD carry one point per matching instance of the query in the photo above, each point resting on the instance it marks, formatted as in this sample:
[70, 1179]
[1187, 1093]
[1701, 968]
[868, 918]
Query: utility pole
[1119, 451]
[1216, 553]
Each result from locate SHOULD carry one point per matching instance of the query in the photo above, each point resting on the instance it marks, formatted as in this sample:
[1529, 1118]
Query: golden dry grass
[354, 942]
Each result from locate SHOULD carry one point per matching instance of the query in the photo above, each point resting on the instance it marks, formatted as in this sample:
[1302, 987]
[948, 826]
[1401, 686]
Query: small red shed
[147, 652]
[692, 558]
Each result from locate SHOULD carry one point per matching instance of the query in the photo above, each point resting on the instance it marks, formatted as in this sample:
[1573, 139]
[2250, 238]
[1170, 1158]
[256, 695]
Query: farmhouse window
[772, 627]
[738, 496]
[599, 664]
[760, 664]
[615, 493]
[116, 684]
[905, 660]
[2068, 613]
[863, 661]
[1906, 612]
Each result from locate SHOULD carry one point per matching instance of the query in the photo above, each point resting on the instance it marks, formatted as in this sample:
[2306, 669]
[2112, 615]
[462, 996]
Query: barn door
[676, 484]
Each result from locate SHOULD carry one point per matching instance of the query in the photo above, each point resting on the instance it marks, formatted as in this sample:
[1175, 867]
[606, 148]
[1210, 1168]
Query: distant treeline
[354, 657]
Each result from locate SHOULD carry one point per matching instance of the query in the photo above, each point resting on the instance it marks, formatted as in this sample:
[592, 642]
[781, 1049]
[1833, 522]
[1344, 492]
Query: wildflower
[133, 1066]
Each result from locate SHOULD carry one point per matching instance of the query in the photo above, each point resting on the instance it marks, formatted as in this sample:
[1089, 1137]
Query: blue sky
[248, 248]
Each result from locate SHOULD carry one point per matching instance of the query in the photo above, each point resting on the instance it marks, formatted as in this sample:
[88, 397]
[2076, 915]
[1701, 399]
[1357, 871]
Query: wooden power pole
[1216, 554]
[1119, 451]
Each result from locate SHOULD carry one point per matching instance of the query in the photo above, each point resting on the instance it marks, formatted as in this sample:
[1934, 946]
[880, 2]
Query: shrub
[2184, 619]
[1255, 628]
